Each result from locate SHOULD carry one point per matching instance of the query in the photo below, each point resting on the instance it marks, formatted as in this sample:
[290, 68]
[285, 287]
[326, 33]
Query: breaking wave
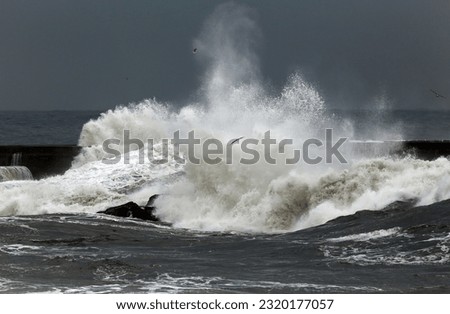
[233, 101]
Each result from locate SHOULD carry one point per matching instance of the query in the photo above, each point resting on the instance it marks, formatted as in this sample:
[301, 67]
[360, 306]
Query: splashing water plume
[232, 102]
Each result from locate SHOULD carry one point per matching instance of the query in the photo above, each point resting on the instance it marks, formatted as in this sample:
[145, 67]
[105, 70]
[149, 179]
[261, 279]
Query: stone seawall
[427, 150]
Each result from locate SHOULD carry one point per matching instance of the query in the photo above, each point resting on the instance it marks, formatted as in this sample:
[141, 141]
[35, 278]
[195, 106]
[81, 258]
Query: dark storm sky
[84, 54]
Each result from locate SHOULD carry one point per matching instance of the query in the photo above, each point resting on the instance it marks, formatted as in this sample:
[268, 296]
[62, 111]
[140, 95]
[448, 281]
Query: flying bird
[236, 140]
[437, 94]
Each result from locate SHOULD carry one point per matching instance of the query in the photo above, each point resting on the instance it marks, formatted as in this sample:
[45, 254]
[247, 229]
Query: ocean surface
[43, 127]
[64, 127]
[398, 250]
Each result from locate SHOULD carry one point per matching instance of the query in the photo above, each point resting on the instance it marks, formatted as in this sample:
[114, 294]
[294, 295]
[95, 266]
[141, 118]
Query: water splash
[15, 173]
[231, 102]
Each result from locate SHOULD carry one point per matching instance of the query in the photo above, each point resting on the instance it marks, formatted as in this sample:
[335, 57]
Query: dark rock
[152, 200]
[133, 210]
[149, 208]
[147, 214]
[124, 210]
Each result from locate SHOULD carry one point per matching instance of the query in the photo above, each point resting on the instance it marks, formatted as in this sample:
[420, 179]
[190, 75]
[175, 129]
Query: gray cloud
[59, 54]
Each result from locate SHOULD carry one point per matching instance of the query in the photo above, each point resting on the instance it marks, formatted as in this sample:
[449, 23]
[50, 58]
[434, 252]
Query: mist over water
[232, 101]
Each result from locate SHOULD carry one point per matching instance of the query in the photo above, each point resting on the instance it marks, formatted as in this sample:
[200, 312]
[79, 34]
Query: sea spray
[232, 102]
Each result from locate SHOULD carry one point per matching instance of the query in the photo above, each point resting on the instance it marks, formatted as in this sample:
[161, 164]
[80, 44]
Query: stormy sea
[375, 225]
[377, 221]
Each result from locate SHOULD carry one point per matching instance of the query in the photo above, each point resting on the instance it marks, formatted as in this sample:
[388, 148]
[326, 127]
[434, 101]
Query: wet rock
[132, 210]
[152, 200]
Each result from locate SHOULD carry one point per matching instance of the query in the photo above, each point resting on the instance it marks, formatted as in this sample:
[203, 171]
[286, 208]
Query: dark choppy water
[43, 127]
[397, 250]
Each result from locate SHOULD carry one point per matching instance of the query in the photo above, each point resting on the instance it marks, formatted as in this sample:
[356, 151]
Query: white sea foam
[371, 248]
[438, 255]
[367, 236]
[87, 188]
[19, 249]
[235, 197]
[167, 283]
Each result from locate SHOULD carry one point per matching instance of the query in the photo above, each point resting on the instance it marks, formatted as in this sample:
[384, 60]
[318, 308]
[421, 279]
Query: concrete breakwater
[48, 160]
[422, 149]
[43, 161]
